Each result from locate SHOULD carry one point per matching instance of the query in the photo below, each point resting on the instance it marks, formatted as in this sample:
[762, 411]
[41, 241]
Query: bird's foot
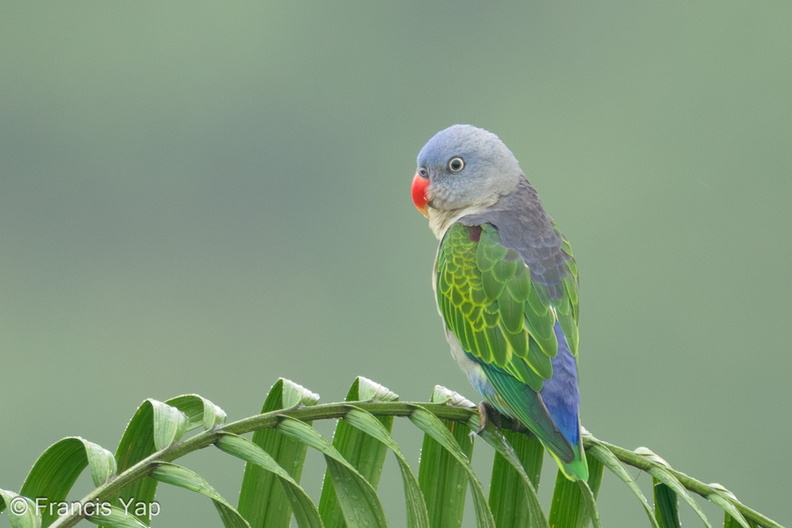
[488, 413]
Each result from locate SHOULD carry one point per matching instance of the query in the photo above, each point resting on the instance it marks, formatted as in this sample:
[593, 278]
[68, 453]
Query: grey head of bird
[463, 170]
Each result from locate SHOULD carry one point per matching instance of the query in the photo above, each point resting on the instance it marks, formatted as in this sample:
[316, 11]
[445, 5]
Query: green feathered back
[500, 316]
[505, 322]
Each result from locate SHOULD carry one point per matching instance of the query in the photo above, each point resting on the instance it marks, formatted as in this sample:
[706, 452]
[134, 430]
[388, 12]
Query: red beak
[420, 186]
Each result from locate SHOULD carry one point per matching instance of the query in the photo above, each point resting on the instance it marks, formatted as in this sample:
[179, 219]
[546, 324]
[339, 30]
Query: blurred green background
[203, 197]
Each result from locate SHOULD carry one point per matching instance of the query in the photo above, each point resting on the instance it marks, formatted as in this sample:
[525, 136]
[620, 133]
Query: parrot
[506, 286]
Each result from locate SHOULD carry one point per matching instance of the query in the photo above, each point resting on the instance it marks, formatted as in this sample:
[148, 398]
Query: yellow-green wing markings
[505, 321]
[486, 295]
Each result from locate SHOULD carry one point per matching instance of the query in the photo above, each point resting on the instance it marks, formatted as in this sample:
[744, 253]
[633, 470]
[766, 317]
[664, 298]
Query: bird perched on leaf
[506, 286]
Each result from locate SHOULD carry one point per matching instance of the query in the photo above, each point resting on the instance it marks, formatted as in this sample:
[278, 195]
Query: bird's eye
[423, 172]
[456, 164]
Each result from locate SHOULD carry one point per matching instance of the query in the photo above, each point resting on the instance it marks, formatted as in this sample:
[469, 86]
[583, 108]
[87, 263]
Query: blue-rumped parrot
[506, 286]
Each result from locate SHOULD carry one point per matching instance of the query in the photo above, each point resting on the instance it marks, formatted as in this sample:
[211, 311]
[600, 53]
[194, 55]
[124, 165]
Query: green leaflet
[574, 503]
[356, 496]
[22, 512]
[609, 460]
[365, 453]
[725, 498]
[666, 505]
[116, 518]
[186, 478]
[442, 479]
[199, 411]
[262, 488]
[56, 470]
[661, 473]
[305, 512]
[443, 457]
[417, 515]
[515, 477]
[155, 426]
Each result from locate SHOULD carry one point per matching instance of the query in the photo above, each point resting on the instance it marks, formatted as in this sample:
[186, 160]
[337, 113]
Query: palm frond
[161, 432]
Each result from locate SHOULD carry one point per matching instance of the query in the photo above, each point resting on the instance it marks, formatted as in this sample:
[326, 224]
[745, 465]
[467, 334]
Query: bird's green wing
[505, 321]
[500, 316]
